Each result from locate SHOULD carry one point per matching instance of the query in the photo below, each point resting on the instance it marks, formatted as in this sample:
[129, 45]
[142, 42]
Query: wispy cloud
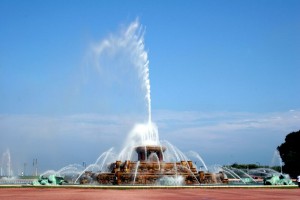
[228, 136]
[230, 121]
[217, 136]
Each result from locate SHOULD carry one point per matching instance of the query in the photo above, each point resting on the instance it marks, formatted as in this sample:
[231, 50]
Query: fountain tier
[149, 153]
[149, 169]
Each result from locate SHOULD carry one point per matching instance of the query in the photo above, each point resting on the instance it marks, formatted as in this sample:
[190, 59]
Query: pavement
[79, 193]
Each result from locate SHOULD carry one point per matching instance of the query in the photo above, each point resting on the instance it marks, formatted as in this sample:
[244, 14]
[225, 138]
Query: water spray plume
[6, 167]
[130, 43]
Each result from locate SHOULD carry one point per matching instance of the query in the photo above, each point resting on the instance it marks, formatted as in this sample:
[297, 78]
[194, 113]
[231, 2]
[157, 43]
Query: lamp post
[35, 167]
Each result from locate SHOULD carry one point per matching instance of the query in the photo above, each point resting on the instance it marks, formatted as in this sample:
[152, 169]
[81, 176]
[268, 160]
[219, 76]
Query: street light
[35, 167]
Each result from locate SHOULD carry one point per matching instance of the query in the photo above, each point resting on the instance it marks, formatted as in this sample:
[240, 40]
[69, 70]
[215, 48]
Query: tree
[290, 154]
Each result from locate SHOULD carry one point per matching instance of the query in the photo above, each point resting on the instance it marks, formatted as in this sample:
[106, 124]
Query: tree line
[289, 152]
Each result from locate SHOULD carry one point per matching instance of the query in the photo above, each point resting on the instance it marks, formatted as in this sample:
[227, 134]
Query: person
[298, 180]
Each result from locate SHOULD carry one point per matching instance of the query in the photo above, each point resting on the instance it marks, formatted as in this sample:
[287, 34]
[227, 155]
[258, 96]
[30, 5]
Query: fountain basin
[150, 168]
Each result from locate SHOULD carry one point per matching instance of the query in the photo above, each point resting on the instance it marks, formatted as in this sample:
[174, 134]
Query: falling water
[231, 172]
[195, 154]
[70, 169]
[173, 153]
[245, 174]
[131, 43]
[91, 167]
[277, 160]
[104, 156]
[6, 162]
[140, 135]
[136, 171]
[190, 171]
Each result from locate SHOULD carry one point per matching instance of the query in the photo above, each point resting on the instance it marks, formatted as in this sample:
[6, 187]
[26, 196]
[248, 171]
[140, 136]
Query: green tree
[290, 154]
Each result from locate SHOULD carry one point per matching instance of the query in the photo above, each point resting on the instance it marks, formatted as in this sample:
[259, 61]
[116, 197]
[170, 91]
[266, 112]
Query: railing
[15, 181]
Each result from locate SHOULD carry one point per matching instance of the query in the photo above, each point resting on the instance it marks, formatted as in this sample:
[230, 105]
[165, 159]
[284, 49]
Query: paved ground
[165, 194]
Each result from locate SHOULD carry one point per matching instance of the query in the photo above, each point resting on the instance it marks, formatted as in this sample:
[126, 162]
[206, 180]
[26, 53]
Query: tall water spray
[129, 46]
[277, 160]
[6, 168]
[130, 42]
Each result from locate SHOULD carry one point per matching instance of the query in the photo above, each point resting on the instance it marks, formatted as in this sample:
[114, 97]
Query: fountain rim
[151, 148]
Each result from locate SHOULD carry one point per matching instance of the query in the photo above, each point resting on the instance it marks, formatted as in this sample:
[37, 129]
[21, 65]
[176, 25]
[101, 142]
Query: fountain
[151, 169]
[144, 159]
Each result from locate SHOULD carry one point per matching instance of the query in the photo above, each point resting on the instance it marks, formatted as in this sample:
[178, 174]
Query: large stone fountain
[152, 164]
[151, 169]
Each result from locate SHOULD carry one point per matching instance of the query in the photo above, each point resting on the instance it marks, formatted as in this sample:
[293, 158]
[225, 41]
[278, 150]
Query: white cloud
[219, 135]
[251, 137]
[226, 121]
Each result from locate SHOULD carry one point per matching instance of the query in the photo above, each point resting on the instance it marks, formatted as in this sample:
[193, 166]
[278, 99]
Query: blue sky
[223, 78]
